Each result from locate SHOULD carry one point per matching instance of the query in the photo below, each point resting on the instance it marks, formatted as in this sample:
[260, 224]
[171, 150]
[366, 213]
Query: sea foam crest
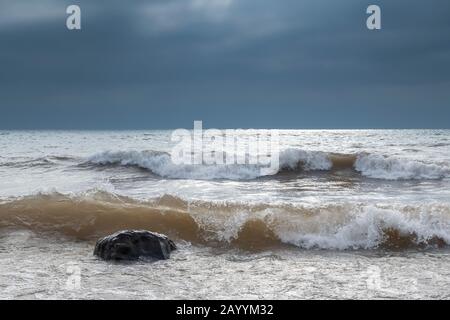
[160, 163]
[369, 227]
[393, 168]
[368, 165]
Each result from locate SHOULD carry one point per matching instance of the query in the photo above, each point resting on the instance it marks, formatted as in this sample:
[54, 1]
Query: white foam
[393, 168]
[334, 227]
[161, 164]
[369, 165]
[309, 160]
[364, 227]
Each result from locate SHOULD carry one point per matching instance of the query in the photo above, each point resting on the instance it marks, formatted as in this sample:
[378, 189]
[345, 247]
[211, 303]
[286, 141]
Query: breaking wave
[392, 168]
[160, 163]
[290, 160]
[244, 225]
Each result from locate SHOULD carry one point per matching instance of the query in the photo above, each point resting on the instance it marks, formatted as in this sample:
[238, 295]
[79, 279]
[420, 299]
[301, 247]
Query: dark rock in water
[133, 244]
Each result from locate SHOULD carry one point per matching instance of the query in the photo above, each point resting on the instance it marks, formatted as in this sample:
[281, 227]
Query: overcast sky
[231, 63]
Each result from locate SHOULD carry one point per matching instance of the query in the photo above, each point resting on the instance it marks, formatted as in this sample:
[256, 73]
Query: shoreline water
[350, 214]
[230, 274]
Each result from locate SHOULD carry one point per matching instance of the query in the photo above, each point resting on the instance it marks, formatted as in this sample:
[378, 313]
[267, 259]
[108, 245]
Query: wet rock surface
[134, 244]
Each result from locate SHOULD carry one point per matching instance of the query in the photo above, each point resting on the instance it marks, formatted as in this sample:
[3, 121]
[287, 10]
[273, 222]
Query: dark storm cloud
[231, 63]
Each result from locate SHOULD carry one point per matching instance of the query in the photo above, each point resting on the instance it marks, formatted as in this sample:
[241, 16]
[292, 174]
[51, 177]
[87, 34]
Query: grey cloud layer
[249, 63]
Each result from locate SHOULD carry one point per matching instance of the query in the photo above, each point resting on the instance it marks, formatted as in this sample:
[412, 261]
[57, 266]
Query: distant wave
[244, 225]
[291, 160]
[160, 163]
[393, 168]
[48, 161]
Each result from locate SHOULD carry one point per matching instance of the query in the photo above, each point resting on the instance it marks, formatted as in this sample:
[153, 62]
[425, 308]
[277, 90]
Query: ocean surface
[348, 214]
